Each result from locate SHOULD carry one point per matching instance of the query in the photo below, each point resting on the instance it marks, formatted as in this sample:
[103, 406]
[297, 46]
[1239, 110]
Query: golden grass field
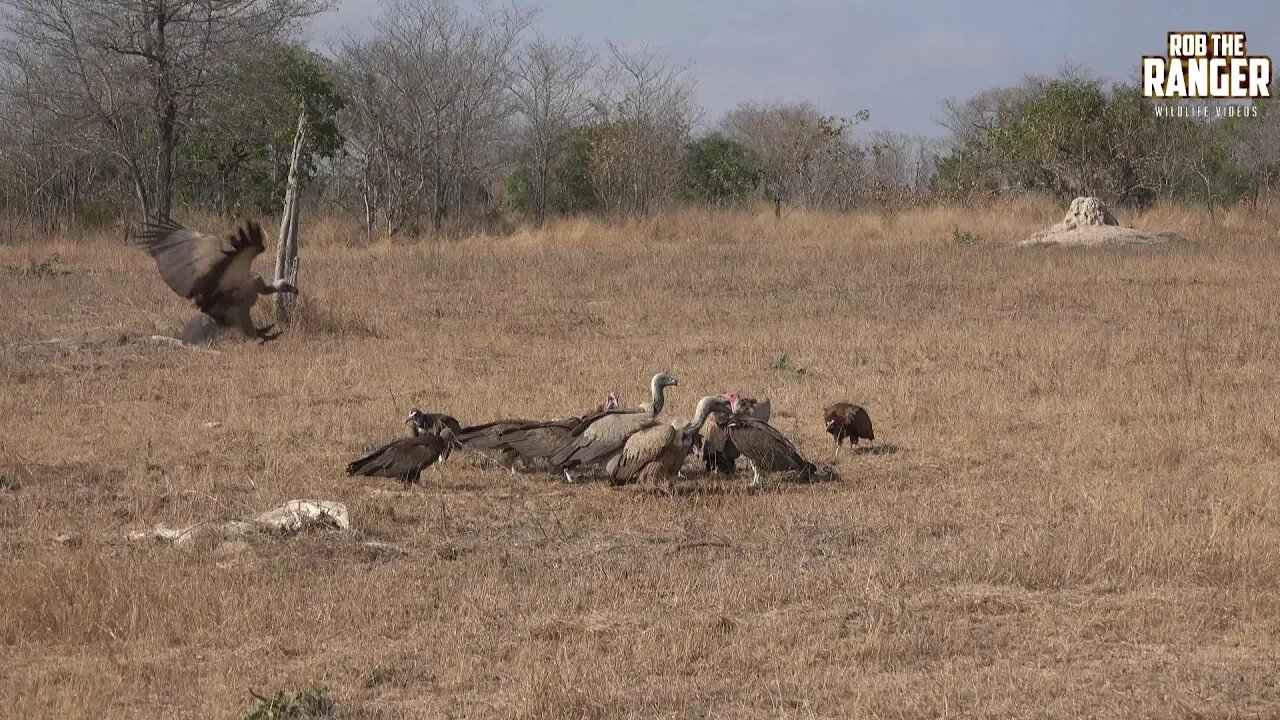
[1075, 511]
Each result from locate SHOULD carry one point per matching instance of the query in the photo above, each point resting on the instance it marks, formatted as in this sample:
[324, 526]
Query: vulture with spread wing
[539, 441]
[216, 274]
[601, 436]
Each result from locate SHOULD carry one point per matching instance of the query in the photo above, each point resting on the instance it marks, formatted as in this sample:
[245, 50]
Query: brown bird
[719, 455]
[658, 452]
[405, 459]
[847, 421]
[767, 450]
[601, 436]
[216, 274]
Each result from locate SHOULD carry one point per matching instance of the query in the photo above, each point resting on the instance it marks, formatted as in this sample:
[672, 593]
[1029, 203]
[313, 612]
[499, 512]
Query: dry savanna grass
[1074, 511]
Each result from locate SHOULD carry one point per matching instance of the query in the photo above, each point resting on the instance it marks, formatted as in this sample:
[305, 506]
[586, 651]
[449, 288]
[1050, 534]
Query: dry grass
[1080, 518]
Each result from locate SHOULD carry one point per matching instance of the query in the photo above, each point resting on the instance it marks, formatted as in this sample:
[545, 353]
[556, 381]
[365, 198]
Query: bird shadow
[882, 449]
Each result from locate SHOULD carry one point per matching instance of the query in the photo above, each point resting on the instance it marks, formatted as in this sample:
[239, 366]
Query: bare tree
[132, 73]
[646, 110]
[809, 158]
[428, 105]
[549, 84]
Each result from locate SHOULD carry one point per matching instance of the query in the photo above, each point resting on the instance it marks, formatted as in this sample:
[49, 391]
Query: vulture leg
[440, 472]
[567, 476]
[265, 335]
[755, 475]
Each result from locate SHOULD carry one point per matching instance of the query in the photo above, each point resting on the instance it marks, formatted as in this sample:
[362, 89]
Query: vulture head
[663, 380]
[731, 397]
[612, 402]
[284, 286]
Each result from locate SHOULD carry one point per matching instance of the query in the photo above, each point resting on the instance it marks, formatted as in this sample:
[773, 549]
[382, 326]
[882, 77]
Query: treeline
[442, 117]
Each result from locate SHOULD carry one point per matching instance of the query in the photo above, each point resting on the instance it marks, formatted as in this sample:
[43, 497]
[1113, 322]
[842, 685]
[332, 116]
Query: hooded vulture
[769, 451]
[718, 453]
[406, 458]
[216, 274]
[601, 436]
[847, 421]
[424, 422]
[659, 451]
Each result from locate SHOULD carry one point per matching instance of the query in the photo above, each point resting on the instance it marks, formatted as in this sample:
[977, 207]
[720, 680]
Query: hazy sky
[897, 59]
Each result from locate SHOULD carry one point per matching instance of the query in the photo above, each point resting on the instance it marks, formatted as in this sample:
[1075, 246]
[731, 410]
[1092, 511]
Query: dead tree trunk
[287, 247]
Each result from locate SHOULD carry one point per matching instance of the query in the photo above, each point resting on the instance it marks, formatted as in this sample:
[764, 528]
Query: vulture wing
[766, 447]
[203, 267]
[488, 435]
[600, 436]
[403, 458]
[862, 425]
[535, 442]
[762, 410]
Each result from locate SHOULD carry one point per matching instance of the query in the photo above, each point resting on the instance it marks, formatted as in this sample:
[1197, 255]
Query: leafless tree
[132, 73]
[550, 85]
[428, 105]
[646, 109]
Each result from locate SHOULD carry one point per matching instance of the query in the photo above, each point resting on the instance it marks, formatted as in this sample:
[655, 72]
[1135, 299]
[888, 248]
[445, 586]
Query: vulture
[719, 454]
[847, 421]
[216, 274]
[601, 436]
[659, 451]
[769, 451]
[406, 458]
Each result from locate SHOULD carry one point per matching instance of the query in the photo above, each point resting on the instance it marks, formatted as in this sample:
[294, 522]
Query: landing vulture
[601, 436]
[216, 274]
[406, 458]
[847, 421]
[719, 455]
[658, 452]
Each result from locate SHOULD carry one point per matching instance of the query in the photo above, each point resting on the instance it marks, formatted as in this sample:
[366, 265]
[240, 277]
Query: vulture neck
[700, 419]
[655, 408]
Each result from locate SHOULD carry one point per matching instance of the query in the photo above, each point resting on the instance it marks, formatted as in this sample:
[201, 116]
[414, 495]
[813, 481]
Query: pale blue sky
[899, 59]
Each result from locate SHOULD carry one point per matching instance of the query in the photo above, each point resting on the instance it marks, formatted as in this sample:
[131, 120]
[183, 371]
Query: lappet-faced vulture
[658, 452]
[719, 455]
[216, 274]
[845, 420]
[769, 451]
[601, 436]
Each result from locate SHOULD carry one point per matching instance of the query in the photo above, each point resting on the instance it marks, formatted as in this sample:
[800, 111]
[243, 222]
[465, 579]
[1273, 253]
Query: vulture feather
[847, 421]
[601, 436]
[214, 273]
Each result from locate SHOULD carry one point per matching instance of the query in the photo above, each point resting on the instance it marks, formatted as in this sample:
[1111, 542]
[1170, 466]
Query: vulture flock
[625, 445]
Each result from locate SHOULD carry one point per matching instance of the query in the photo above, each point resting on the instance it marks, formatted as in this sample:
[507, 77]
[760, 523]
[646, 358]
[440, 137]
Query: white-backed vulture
[658, 452]
[405, 459]
[769, 451]
[845, 420]
[532, 443]
[719, 455]
[508, 441]
[216, 274]
[601, 436]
